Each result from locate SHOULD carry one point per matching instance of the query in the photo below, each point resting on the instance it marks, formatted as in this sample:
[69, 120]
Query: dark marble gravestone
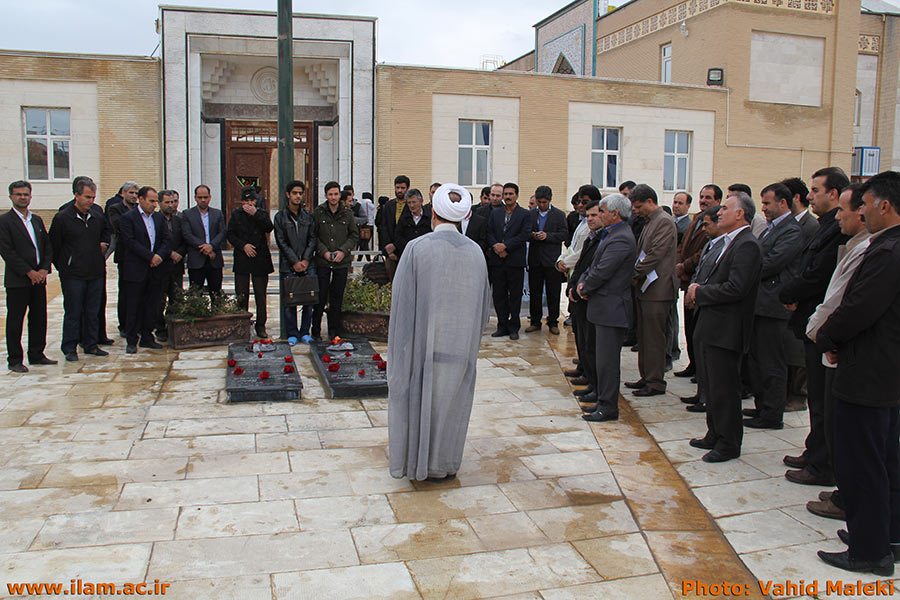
[242, 379]
[346, 381]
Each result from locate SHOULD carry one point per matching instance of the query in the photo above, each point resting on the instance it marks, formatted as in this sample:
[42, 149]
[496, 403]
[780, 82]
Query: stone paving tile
[186, 492]
[765, 530]
[198, 446]
[312, 484]
[42, 503]
[386, 580]
[61, 452]
[584, 522]
[16, 478]
[117, 563]
[102, 528]
[250, 587]
[568, 463]
[649, 587]
[245, 518]
[507, 530]
[618, 555]
[282, 442]
[233, 465]
[436, 505]
[344, 512]
[16, 535]
[115, 472]
[409, 541]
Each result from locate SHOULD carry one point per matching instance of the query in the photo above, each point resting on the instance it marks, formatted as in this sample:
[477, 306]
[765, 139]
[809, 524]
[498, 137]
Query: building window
[677, 161]
[605, 157]
[474, 153]
[665, 63]
[47, 139]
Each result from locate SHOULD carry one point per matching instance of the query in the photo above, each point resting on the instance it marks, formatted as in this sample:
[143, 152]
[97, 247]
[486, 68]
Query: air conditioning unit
[866, 161]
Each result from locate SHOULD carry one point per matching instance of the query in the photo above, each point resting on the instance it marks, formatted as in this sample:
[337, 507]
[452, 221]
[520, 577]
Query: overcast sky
[423, 32]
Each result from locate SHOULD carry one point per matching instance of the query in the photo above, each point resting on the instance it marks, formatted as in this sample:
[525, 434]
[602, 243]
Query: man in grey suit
[654, 278]
[781, 244]
[800, 208]
[607, 287]
[204, 231]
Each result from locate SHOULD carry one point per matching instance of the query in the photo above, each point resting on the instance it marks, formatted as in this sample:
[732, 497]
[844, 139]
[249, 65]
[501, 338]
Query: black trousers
[81, 302]
[608, 352]
[539, 279]
[689, 336]
[722, 370]
[121, 304]
[331, 293]
[142, 298]
[171, 283]
[19, 301]
[585, 342]
[818, 456]
[242, 289]
[508, 284]
[867, 466]
[768, 367]
[208, 274]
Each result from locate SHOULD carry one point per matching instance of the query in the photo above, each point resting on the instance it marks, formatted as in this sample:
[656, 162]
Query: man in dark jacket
[26, 252]
[295, 234]
[79, 238]
[548, 232]
[129, 192]
[143, 242]
[336, 236]
[172, 269]
[246, 232]
[508, 230]
[802, 295]
[474, 227]
[415, 221]
[387, 224]
[204, 232]
[861, 337]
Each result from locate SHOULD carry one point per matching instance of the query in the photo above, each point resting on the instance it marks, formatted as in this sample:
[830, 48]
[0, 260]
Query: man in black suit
[25, 248]
[548, 232]
[781, 244]
[204, 232]
[495, 200]
[387, 224]
[574, 218]
[144, 241]
[114, 212]
[172, 269]
[861, 336]
[415, 221]
[508, 230]
[724, 301]
[474, 227]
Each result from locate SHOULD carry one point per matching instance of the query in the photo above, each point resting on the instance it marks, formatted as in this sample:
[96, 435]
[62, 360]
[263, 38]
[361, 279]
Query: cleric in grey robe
[439, 307]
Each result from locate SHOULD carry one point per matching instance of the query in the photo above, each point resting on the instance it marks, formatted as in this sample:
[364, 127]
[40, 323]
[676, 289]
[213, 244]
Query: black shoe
[700, 407]
[513, 335]
[844, 536]
[71, 357]
[717, 456]
[760, 423]
[43, 360]
[498, 333]
[668, 366]
[589, 408]
[884, 566]
[635, 385]
[580, 380]
[96, 351]
[702, 443]
[130, 349]
[162, 336]
[750, 412]
[634, 348]
[567, 322]
[688, 372]
[150, 344]
[106, 341]
[19, 368]
[583, 391]
[592, 397]
[601, 415]
[691, 399]
[647, 391]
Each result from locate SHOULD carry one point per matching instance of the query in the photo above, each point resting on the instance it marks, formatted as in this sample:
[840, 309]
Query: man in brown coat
[654, 277]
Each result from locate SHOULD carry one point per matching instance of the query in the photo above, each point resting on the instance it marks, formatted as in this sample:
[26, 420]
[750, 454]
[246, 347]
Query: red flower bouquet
[326, 358]
[264, 375]
[288, 369]
[231, 362]
[238, 371]
[333, 367]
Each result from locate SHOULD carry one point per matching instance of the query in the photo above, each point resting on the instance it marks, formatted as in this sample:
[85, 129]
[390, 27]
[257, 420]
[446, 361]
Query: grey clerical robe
[439, 308]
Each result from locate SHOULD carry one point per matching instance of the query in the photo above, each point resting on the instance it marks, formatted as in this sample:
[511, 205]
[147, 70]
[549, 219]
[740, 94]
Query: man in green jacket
[337, 236]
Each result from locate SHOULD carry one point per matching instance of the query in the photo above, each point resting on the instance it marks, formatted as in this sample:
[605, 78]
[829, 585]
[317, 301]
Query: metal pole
[285, 115]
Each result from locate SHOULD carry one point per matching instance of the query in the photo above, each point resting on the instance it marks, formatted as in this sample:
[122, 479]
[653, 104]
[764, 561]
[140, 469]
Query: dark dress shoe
[106, 341]
[647, 391]
[717, 456]
[589, 398]
[691, 399]
[580, 381]
[760, 423]
[702, 443]
[700, 407]
[688, 372]
[844, 536]
[532, 328]
[567, 322]
[884, 566]
[575, 361]
[162, 336]
[589, 408]
[71, 356]
[634, 348]
[19, 368]
[601, 416]
[750, 412]
[694, 379]
[554, 330]
[96, 351]
[130, 349]
[573, 372]
[583, 392]
[795, 462]
[513, 335]
[635, 385]
[804, 477]
[498, 333]
[43, 361]
[150, 344]
[827, 509]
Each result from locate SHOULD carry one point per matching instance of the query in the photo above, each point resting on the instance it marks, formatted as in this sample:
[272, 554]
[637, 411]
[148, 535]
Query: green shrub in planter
[362, 295]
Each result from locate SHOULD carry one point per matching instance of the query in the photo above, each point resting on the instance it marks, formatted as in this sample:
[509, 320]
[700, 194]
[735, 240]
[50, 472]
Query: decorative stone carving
[869, 44]
[264, 85]
[323, 77]
[219, 73]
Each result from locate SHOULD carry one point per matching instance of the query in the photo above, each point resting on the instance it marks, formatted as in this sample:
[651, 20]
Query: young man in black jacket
[295, 234]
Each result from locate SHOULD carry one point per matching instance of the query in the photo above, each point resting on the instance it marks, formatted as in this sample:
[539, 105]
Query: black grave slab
[247, 385]
[347, 382]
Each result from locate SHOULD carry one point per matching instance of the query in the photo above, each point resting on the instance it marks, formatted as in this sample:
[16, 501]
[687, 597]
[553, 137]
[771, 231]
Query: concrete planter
[209, 331]
[373, 326]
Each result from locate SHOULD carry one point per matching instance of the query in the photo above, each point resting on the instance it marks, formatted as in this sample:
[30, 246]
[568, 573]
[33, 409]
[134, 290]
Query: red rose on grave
[347, 354]
[334, 367]
[259, 355]
[238, 371]
[362, 372]
[326, 358]
[336, 340]
[256, 341]
[231, 362]
[377, 357]
[264, 375]
[382, 365]
[288, 369]
[288, 359]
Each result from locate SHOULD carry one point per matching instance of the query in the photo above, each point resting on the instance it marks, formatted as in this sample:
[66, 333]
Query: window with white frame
[605, 164]
[474, 153]
[47, 143]
[665, 63]
[677, 161]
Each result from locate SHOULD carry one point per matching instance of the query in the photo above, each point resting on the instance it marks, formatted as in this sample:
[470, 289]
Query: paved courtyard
[133, 468]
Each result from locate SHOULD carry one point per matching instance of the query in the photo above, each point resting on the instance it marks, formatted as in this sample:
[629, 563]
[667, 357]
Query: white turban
[449, 209]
